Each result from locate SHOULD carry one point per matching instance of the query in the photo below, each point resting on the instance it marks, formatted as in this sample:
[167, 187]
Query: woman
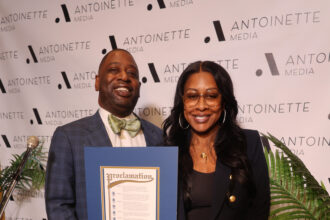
[222, 169]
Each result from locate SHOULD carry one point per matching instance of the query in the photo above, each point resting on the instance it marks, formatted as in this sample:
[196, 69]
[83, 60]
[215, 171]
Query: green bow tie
[131, 126]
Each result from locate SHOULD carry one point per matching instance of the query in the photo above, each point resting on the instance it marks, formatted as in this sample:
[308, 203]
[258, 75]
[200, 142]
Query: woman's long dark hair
[230, 143]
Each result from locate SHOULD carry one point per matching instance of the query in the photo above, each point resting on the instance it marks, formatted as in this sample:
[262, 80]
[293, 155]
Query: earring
[224, 116]
[181, 124]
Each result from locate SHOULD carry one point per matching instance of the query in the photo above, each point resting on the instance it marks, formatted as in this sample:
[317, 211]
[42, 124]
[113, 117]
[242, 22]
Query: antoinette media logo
[8, 55]
[170, 73]
[20, 141]
[297, 144]
[5, 140]
[57, 117]
[2, 87]
[7, 22]
[139, 42]
[295, 65]
[218, 31]
[87, 11]
[28, 195]
[15, 85]
[145, 112]
[250, 28]
[172, 4]
[12, 115]
[78, 80]
[249, 112]
[47, 53]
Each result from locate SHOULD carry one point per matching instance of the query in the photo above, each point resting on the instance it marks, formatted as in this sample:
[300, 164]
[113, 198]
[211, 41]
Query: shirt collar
[104, 115]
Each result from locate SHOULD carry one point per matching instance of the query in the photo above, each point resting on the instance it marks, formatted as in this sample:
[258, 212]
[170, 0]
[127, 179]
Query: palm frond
[295, 193]
[32, 175]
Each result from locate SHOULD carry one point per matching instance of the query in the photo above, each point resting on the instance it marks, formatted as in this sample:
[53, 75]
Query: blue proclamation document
[136, 183]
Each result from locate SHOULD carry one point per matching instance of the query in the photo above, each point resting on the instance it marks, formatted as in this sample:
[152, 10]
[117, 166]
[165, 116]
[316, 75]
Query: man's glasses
[212, 98]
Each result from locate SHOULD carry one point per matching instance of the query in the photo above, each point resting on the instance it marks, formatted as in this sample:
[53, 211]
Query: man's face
[118, 83]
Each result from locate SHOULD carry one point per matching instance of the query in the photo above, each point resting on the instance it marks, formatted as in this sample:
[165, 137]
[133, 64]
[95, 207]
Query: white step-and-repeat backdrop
[277, 53]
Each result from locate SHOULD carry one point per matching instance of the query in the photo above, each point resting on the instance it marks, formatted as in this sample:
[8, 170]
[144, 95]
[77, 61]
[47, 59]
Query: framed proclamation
[135, 183]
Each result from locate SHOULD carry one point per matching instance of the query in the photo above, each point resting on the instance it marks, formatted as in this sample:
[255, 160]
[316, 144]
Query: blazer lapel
[149, 134]
[98, 135]
[222, 174]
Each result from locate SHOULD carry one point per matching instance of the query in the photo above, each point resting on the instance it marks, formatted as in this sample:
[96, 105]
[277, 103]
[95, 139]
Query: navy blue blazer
[243, 207]
[65, 188]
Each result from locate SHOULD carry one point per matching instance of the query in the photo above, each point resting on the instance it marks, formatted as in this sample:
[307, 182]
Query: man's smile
[122, 90]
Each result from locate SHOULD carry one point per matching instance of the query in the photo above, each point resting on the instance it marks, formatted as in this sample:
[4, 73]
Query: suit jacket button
[232, 198]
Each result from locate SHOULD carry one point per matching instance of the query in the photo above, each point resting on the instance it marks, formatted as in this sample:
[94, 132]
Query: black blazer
[242, 208]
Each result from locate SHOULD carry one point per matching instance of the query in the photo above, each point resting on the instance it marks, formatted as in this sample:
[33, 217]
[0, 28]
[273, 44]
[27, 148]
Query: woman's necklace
[204, 158]
[203, 155]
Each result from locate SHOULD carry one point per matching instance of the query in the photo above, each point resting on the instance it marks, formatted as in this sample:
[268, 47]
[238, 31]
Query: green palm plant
[295, 193]
[32, 175]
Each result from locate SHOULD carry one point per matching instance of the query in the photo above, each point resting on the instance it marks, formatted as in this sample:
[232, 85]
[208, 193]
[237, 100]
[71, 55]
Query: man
[118, 85]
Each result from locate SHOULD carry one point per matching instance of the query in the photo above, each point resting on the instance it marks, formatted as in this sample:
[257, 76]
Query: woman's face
[202, 102]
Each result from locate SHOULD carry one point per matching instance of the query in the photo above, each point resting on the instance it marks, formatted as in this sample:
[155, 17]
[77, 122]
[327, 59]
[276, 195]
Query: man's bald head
[110, 52]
